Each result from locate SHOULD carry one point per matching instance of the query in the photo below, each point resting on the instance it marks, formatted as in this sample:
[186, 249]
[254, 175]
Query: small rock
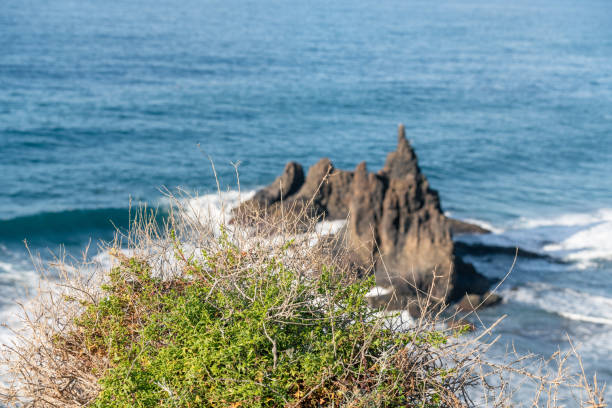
[473, 301]
[490, 299]
[468, 303]
[459, 227]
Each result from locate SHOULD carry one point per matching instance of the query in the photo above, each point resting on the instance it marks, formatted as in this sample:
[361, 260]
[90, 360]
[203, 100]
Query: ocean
[507, 104]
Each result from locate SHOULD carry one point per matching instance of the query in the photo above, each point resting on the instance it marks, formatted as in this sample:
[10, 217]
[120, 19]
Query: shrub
[238, 330]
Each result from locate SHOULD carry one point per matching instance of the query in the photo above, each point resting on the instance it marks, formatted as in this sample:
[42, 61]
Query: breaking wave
[584, 239]
[569, 303]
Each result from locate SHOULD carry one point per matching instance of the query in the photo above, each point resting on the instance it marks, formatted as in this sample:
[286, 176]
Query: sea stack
[395, 224]
[414, 246]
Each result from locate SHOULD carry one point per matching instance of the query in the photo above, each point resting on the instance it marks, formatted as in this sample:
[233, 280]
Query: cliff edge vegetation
[200, 313]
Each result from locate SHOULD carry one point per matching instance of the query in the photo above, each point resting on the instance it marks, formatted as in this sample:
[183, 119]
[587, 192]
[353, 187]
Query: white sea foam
[378, 291]
[568, 220]
[585, 318]
[591, 242]
[399, 320]
[569, 303]
[583, 238]
[594, 345]
[7, 267]
[215, 209]
[18, 280]
[103, 260]
[329, 227]
[9, 320]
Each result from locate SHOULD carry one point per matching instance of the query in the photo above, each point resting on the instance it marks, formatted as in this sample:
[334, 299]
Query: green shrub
[234, 332]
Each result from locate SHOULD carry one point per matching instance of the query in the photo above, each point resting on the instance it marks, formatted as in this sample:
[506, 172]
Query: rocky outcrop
[394, 222]
[362, 233]
[325, 192]
[328, 189]
[471, 302]
[284, 186]
[461, 227]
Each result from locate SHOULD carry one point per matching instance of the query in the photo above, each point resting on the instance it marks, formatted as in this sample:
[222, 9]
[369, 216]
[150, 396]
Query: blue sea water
[508, 105]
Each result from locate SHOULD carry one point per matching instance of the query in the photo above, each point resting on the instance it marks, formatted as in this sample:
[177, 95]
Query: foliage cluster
[273, 337]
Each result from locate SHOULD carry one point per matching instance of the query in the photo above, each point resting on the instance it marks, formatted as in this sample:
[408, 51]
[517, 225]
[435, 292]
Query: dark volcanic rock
[328, 188]
[284, 186]
[395, 223]
[481, 249]
[461, 227]
[403, 161]
[365, 208]
[471, 302]
[325, 192]
[266, 202]
[467, 280]
[414, 240]
[314, 188]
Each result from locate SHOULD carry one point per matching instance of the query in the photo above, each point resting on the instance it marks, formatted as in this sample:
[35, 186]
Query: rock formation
[284, 186]
[415, 240]
[394, 222]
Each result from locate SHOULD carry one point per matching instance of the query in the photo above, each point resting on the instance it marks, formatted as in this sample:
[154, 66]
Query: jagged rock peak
[403, 145]
[361, 169]
[403, 161]
[284, 186]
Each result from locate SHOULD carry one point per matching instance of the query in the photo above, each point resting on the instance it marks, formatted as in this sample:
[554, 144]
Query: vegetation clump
[238, 331]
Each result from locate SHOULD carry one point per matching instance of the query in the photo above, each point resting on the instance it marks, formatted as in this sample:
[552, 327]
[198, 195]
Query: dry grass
[50, 365]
